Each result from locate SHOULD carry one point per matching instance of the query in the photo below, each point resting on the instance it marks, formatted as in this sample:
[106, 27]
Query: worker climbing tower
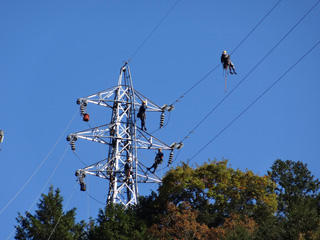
[123, 138]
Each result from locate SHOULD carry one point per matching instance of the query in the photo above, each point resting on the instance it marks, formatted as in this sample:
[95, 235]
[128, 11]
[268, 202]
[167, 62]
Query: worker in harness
[128, 171]
[81, 175]
[226, 62]
[158, 160]
[142, 115]
[1, 137]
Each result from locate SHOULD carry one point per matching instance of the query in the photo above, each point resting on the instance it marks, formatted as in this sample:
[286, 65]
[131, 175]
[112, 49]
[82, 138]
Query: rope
[257, 99]
[38, 168]
[234, 50]
[251, 71]
[153, 30]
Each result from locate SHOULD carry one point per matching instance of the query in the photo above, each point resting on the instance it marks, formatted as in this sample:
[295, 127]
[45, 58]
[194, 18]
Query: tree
[179, 222]
[49, 221]
[298, 197]
[217, 191]
[115, 223]
[236, 227]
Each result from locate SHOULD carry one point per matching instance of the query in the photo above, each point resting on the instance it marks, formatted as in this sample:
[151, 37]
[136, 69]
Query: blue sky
[53, 52]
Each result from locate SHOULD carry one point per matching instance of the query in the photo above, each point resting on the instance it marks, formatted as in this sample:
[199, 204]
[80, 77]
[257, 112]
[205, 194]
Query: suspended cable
[59, 219]
[153, 30]
[44, 186]
[235, 49]
[39, 166]
[257, 99]
[255, 27]
[77, 156]
[251, 71]
[98, 201]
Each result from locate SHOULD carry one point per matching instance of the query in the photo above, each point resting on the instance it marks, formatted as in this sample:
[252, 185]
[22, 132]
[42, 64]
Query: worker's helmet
[145, 102]
[224, 52]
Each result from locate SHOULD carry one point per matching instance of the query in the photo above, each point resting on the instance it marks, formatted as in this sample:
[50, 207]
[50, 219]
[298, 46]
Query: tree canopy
[49, 221]
[218, 191]
[211, 201]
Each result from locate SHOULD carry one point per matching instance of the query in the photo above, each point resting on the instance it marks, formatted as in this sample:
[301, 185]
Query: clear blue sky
[53, 52]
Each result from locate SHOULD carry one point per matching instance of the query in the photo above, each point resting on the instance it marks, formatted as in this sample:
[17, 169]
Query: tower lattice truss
[123, 138]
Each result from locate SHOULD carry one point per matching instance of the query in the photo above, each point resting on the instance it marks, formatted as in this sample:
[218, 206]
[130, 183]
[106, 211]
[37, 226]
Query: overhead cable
[98, 201]
[38, 167]
[251, 71]
[44, 186]
[59, 219]
[153, 30]
[256, 99]
[232, 51]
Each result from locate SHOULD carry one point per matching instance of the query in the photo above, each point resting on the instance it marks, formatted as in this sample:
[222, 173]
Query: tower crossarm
[99, 134]
[103, 98]
[145, 140]
[122, 137]
[106, 99]
[151, 106]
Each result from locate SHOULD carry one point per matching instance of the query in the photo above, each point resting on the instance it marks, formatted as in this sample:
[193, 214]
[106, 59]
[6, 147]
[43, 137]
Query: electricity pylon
[124, 138]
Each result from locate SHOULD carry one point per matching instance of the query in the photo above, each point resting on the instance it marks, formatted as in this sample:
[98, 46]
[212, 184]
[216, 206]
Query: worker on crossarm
[158, 160]
[226, 62]
[142, 115]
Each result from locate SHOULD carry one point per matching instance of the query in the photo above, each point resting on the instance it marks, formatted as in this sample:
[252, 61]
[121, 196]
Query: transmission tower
[123, 138]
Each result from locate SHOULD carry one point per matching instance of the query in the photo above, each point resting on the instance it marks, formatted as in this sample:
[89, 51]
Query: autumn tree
[49, 220]
[236, 227]
[179, 222]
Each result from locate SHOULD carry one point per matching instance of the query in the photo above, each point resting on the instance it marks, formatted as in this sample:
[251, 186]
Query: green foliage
[149, 209]
[217, 191]
[117, 223]
[48, 220]
[235, 227]
[298, 198]
[212, 201]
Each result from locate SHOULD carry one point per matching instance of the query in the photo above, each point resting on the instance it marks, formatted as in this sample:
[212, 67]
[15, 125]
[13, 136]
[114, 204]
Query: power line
[255, 27]
[98, 201]
[257, 99]
[67, 204]
[44, 186]
[78, 157]
[38, 168]
[251, 71]
[153, 30]
[235, 49]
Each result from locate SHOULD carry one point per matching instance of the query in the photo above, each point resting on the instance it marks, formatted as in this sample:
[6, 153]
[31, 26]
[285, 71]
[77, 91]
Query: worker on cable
[158, 160]
[1, 136]
[226, 62]
[142, 115]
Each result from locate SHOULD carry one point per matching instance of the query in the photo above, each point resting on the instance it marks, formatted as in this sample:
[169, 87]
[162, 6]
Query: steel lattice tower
[122, 136]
